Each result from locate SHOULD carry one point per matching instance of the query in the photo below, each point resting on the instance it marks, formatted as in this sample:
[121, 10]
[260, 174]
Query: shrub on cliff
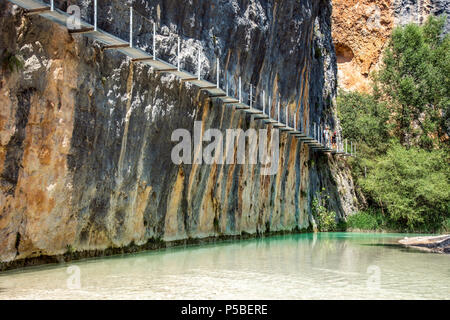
[326, 220]
[11, 62]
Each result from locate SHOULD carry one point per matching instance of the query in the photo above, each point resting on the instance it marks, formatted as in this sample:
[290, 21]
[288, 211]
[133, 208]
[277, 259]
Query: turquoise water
[305, 266]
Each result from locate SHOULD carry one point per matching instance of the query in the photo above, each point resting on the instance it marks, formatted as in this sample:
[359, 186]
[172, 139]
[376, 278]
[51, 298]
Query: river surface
[304, 266]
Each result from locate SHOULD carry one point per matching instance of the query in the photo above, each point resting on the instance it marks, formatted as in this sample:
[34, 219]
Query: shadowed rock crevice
[344, 53]
[14, 149]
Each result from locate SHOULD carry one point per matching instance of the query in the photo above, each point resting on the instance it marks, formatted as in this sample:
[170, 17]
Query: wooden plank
[115, 46]
[188, 79]
[82, 30]
[31, 12]
[165, 70]
[208, 88]
[255, 111]
[231, 101]
[142, 59]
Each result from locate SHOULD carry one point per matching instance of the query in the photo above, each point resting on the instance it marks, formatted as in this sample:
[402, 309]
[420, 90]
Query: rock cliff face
[416, 11]
[362, 28]
[85, 133]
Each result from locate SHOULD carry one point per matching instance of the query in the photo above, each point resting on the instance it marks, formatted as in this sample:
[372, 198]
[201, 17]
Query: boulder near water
[437, 244]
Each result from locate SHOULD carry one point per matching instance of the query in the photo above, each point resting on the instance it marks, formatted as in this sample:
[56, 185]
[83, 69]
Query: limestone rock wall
[85, 134]
[362, 29]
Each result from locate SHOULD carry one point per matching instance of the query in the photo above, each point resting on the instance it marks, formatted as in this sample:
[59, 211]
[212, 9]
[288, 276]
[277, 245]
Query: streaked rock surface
[85, 150]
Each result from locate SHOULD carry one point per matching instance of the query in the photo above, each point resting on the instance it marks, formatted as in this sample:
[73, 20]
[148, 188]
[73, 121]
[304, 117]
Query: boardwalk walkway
[314, 137]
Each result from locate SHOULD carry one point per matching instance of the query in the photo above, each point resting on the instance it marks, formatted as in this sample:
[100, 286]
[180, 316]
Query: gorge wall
[362, 28]
[85, 133]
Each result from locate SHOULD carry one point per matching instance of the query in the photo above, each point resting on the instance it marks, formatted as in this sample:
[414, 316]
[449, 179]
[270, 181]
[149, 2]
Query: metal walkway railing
[315, 136]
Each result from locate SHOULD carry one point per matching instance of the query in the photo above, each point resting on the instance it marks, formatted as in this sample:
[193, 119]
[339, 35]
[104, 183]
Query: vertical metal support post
[316, 127]
[264, 101]
[199, 65]
[131, 27]
[251, 96]
[95, 13]
[318, 132]
[300, 124]
[279, 116]
[295, 122]
[154, 40]
[322, 135]
[270, 106]
[240, 90]
[218, 73]
[287, 117]
[52, 5]
[179, 54]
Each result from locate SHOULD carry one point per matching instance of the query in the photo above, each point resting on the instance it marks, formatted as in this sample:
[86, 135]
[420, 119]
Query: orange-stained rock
[85, 133]
[361, 29]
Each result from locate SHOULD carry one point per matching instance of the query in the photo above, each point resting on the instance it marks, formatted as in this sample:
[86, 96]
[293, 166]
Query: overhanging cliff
[85, 148]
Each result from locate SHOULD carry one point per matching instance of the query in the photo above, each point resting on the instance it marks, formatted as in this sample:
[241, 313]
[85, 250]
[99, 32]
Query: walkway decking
[111, 42]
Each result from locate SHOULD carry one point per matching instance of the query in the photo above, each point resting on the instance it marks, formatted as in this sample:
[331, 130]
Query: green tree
[413, 185]
[364, 120]
[414, 80]
[401, 130]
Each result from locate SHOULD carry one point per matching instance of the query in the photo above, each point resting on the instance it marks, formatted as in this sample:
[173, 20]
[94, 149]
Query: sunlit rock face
[362, 29]
[417, 11]
[85, 133]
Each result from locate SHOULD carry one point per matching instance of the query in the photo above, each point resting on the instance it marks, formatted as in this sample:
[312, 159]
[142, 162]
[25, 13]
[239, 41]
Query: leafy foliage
[414, 79]
[366, 220]
[326, 220]
[365, 121]
[402, 133]
[12, 62]
[413, 185]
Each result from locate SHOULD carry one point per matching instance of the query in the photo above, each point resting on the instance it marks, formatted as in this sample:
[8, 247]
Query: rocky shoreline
[436, 244]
